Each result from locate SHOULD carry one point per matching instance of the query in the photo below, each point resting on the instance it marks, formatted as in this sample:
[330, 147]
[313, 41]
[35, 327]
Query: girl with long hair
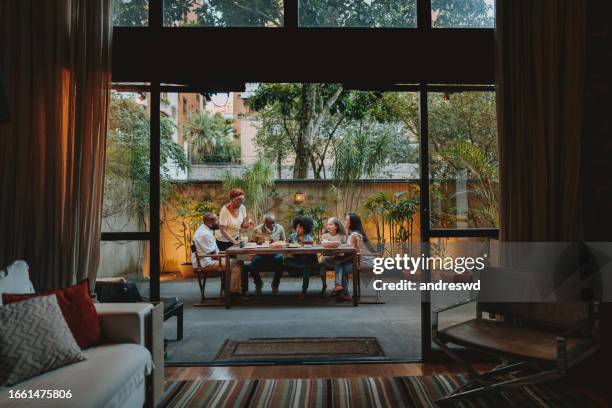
[358, 239]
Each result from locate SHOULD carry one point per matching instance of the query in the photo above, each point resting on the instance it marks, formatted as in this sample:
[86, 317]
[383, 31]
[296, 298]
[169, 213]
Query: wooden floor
[310, 371]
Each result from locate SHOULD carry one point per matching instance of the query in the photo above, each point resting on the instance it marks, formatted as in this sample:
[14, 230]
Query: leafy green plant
[258, 184]
[375, 211]
[187, 218]
[393, 216]
[400, 215]
[211, 138]
[484, 172]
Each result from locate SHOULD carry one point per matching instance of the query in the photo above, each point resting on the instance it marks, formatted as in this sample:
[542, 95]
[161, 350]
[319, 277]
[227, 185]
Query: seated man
[268, 231]
[205, 243]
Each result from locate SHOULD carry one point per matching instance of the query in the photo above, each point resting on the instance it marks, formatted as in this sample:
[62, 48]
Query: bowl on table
[330, 244]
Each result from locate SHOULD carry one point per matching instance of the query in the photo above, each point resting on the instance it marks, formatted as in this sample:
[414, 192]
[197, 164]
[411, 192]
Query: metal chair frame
[525, 371]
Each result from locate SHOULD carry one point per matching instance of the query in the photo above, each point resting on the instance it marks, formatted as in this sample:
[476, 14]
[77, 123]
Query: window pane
[463, 13]
[361, 13]
[223, 13]
[126, 259]
[456, 248]
[126, 179]
[363, 157]
[464, 168]
[131, 13]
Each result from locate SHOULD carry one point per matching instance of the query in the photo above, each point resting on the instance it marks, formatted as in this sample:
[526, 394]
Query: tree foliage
[462, 13]
[126, 185]
[305, 121]
[224, 13]
[211, 138]
[361, 13]
[312, 13]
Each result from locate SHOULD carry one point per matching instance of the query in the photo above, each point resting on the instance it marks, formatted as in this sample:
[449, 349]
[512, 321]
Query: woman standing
[232, 219]
[359, 240]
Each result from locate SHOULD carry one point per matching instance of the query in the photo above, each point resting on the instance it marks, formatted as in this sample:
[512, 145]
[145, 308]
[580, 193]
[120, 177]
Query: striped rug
[353, 392]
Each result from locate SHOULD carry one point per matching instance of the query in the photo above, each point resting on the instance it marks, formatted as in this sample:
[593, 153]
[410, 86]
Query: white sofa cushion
[108, 378]
[15, 279]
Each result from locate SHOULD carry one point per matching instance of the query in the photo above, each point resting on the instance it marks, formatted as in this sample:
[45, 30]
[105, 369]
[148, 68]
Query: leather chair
[536, 342]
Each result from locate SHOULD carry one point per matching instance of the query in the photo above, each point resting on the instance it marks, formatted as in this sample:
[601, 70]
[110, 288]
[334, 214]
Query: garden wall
[281, 204]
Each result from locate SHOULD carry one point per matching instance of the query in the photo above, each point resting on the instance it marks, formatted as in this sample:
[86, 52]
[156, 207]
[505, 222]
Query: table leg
[228, 282]
[355, 281]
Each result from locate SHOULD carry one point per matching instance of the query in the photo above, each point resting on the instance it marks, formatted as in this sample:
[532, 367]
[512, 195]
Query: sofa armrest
[124, 322]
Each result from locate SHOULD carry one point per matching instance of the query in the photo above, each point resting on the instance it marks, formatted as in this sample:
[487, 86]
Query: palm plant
[485, 173]
[209, 136]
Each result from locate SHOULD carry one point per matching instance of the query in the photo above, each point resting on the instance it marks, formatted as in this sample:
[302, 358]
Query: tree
[463, 13]
[317, 13]
[131, 13]
[361, 13]
[463, 139]
[305, 119]
[211, 138]
[224, 13]
[364, 149]
[126, 185]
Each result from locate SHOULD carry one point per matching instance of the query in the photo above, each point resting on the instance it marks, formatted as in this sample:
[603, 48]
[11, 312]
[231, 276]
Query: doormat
[301, 348]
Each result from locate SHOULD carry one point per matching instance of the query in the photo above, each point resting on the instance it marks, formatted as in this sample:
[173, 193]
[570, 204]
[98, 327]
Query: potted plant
[188, 217]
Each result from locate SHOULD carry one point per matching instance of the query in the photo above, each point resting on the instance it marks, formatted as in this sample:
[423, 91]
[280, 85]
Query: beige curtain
[56, 57]
[540, 85]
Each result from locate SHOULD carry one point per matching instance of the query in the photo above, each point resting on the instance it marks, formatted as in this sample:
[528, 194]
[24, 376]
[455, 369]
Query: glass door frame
[426, 233]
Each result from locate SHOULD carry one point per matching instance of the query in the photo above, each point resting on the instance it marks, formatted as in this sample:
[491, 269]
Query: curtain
[540, 64]
[56, 58]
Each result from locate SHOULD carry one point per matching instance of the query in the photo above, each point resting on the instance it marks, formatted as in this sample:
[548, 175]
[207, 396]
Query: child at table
[305, 263]
[335, 233]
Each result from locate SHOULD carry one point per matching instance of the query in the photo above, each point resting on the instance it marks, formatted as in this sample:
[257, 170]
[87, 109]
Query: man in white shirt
[205, 243]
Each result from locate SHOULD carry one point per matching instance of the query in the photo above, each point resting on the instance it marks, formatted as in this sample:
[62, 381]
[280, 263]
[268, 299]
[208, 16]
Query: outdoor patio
[396, 324]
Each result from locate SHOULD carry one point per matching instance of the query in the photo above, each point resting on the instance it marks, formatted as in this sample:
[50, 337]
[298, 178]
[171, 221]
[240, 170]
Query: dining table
[300, 249]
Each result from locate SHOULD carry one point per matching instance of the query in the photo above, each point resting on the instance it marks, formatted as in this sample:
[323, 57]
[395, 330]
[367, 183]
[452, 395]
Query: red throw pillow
[78, 310]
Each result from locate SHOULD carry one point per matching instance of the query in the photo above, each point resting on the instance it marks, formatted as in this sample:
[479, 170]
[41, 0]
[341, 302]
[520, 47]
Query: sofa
[118, 373]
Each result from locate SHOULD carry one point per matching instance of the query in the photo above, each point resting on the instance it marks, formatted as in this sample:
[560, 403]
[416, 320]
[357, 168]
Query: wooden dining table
[300, 250]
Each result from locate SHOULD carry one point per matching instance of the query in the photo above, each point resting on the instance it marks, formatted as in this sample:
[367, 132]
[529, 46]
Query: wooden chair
[367, 269]
[536, 342]
[212, 271]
